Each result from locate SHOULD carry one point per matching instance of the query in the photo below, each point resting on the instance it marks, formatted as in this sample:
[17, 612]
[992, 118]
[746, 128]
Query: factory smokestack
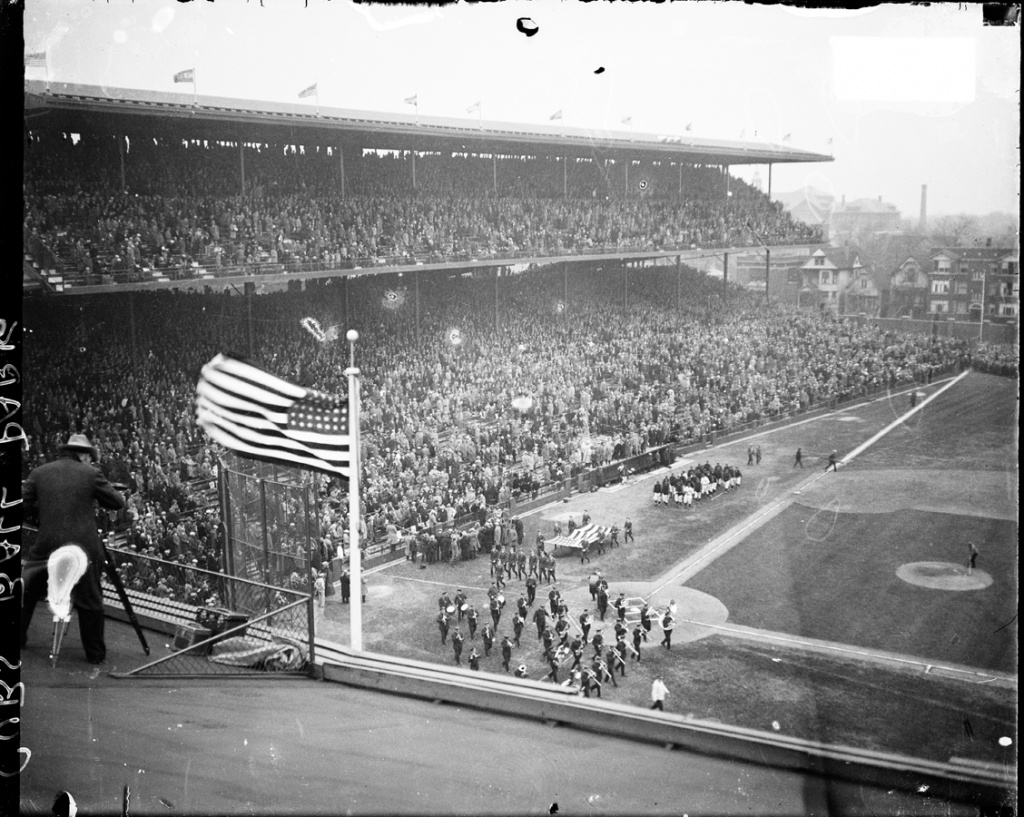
[923, 221]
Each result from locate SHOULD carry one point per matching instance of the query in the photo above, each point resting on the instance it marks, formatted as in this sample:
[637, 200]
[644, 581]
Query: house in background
[863, 216]
[826, 279]
[963, 282]
[908, 290]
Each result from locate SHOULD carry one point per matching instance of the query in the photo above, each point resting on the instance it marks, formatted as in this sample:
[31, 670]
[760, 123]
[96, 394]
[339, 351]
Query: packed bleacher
[181, 207]
[442, 439]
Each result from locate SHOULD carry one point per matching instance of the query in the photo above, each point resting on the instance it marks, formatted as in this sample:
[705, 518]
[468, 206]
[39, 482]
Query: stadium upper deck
[563, 195]
[74, 107]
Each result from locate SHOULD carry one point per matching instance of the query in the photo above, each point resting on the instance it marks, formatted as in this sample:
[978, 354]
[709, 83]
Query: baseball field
[835, 606]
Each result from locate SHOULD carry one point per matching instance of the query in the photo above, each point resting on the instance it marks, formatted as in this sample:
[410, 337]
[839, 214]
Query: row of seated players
[78, 216]
[696, 483]
[441, 439]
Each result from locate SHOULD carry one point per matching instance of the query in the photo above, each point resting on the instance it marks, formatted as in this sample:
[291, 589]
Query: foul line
[900, 420]
[703, 558]
[831, 646]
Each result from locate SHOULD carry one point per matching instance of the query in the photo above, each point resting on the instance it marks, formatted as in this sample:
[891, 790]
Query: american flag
[587, 535]
[261, 416]
[36, 60]
[188, 75]
[310, 91]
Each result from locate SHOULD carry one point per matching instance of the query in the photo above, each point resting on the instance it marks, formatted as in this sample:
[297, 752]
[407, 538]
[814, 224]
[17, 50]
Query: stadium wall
[1001, 334]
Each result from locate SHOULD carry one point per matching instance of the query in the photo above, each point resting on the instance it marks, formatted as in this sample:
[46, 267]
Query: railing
[192, 603]
[77, 277]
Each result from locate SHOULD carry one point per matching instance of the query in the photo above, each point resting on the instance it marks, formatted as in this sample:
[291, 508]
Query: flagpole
[354, 549]
[316, 93]
[195, 87]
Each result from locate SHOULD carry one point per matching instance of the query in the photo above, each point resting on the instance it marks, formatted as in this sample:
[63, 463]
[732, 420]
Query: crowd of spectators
[173, 211]
[482, 403]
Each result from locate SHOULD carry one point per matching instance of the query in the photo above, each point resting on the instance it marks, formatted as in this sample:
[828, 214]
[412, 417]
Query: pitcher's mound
[943, 576]
[693, 609]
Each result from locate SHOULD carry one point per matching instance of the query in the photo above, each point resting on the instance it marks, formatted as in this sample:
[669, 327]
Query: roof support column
[679, 282]
[625, 188]
[494, 166]
[416, 289]
[725, 278]
[120, 150]
[565, 177]
[341, 168]
[769, 180]
[241, 166]
[497, 272]
[413, 169]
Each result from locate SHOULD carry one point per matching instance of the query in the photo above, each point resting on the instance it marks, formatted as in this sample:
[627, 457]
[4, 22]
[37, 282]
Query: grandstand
[276, 190]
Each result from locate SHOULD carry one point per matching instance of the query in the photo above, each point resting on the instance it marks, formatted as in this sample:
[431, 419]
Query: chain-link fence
[270, 512]
[208, 634]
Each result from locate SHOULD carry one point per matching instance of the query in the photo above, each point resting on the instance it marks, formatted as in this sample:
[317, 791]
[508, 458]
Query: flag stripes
[257, 414]
[588, 534]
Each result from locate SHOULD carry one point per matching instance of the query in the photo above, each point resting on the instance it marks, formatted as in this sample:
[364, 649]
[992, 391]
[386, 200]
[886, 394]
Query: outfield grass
[845, 588]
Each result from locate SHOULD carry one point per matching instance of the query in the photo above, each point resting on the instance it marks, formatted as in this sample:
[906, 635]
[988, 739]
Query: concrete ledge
[968, 783]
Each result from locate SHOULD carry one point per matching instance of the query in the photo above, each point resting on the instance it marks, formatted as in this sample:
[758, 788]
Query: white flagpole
[354, 550]
[317, 94]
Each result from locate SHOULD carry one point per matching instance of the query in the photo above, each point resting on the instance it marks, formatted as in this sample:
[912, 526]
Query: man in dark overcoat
[62, 495]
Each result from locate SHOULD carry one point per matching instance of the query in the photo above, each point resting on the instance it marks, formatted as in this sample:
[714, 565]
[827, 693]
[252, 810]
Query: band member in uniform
[645, 620]
[521, 606]
[517, 625]
[548, 641]
[506, 652]
[627, 532]
[576, 648]
[457, 645]
[614, 542]
[667, 623]
[540, 618]
[471, 617]
[584, 552]
[590, 682]
[487, 633]
[585, 623]
[444, 601]
[531, 562]
[474, 659]
[520, 670]
[553, 601]
[620, 630]
[442, 625]
[602, 602]
[592, 586]
[551, 568]
[601, 668]
[562, 630]
[615, 660]
[495, 611]
[495, 561]
[520, 563]
[620, 607]
[460, 600]
[597, 642]
[638, 637]
[531, 590]
[553, 663]
[586, 519]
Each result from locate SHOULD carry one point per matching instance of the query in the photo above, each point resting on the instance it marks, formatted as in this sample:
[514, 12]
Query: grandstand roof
[74, 107]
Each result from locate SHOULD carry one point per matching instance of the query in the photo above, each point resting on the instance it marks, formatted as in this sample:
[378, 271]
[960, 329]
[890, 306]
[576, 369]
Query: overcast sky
[910, 95]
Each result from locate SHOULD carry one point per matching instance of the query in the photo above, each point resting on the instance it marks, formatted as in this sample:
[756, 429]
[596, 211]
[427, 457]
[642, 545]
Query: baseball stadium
[579, 459]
